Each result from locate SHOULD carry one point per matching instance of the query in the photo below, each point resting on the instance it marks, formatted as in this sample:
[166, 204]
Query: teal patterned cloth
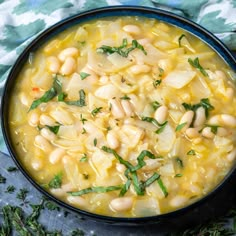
[22, 20]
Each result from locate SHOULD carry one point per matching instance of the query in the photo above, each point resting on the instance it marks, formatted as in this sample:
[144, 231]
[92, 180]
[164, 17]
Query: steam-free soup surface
[125, 117]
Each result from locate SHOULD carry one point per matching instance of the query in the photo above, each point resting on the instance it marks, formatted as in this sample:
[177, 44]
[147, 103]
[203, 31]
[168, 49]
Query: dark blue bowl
[215, 203]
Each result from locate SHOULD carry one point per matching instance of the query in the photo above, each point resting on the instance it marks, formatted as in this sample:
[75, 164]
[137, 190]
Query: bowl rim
[80, 18]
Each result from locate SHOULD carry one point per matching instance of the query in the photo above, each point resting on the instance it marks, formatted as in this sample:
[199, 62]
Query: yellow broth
[125, 86]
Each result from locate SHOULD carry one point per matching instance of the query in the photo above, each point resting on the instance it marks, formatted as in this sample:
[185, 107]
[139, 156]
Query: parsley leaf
[180, 126]
[196, 64]
[96, 111]
[56, 182]
[83, 75]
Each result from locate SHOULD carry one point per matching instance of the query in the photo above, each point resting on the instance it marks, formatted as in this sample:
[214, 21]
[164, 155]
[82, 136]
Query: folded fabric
[21, 21]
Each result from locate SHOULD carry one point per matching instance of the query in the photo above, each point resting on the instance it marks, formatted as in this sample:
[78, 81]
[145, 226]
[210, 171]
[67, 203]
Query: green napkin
[21, 21]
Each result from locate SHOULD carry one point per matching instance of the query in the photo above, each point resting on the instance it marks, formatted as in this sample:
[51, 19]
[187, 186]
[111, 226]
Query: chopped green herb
[121, 49]
[10, 189]
[54, 129]
[84, 158]
[82, 119]
[56, 182]
[153, 121]
[95, 141]
[82, 43]
[96, 111]
[84, 131]
[196, 64]
[162, 187]
[155, 105]
[49, 95]
[83, 75]
[160, 130]
[214, 128]
[80, 102]
[2, 179]
[191, 152]
[161, 72]
[125, 97]
[204, 102]
[180, 38]
[157, 82]
[108, 128]
[11, 169]
[180, 162]
[178, 175]
[180, 126]
[61, 97]
[86, 176]
[95, 190]
[125, 187]
[150, 180]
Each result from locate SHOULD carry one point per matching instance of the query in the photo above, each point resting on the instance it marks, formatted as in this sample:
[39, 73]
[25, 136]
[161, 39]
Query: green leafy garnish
[51, 206]
[22, 194]
[125, 97]
[204, 102]
[155, 105]
[96, 111]
[121, 50]
[180, 38]
[49, 95]
[95, 141]
[83, 75]
[80, 102]
[180, 126]
[61, 97]
[179, 175]
[157, 82]
[161, 72]
[98, 189]
[162, 187]
[191, 152]
[84, 158]
[196, 64]
[82, 119]
[180, 162]
[54, 129]
[56, 182]
[214, 128]
[152, 120]
[84, 131]
[158, 131]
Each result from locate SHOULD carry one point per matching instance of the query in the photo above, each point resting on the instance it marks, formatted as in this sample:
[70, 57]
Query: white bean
[144, 41]
[24, 99]
[68, 66]
[223, 119]
[42, 143]
[222, 132]
[53, 64]
[132, 29]
[138, 69]
[46, 133]
[207, 133]
[37, 164]
[33, 118]
[56, 155]
[127, 107]
[192, 133]
[161, 114]
[200, 117]
[68, 52]
[104, 79]
[62, 116]
[121, 204]
[232, 155]
[46, 120]
[187, 119]
[116, 108]
[112, 140]
[78, 201]
[178, 201]
[229, 93]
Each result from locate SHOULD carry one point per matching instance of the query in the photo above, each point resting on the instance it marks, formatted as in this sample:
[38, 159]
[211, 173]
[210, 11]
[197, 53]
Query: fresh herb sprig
[196, 64]
[121, 50]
